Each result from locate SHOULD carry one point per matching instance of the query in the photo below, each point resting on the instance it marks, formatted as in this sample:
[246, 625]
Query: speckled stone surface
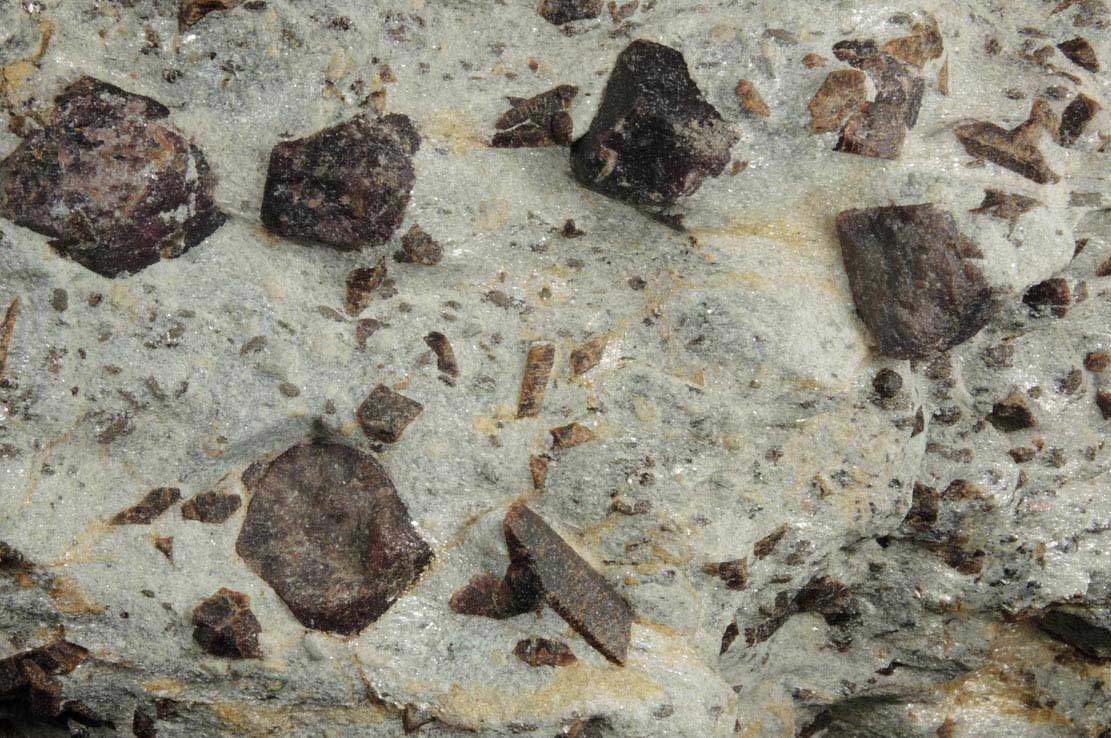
[913, 570]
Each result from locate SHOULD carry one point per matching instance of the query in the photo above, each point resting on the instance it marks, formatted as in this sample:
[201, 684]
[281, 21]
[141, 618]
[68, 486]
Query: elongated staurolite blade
[655, 137]
[571, 586]
[326, 529]
[912, 279]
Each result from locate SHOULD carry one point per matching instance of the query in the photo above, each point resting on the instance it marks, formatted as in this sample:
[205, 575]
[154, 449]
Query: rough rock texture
[932, 576]
[114, 186]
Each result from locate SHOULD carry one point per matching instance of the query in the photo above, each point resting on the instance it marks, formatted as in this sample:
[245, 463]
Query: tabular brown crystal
[541, 120]
[842, 93]
[543, 652]
[559, 12]
[326, 529]
[361, 283]
[212, 506]
[1080, 52]
[534, 383]
[655, 137]
[911, 278]
[153, 504]
[193, 10]
[116, 187]
[346, 186]
[417, 247]
[1078, 114]
[225, 626]
[384, 414]
[1016, 149]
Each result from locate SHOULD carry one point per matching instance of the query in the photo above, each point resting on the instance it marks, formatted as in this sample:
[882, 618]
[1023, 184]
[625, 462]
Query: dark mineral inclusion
[911, 278]
[223, 625]
[111, 183]
[655, 137]
[326, 529]
[346, 186]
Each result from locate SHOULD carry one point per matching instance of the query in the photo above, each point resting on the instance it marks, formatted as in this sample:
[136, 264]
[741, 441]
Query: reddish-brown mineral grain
[570, 435]
[327, 531]
[842, 93]
[193, 10]
[1012, 414]
[491, 596]
[153, 504]
[223, 625]
[586, 357]
[114, 186]
[445, 354]
[361, 284]
[543, 652]
[384, 414]
[655, 137]
[1016, 149]
[733, 573]
[1080, 52]
[559, 12]
[534, 383]
[751, 102]
[912, 282]
[541, 120]
[1078, 114]
[417, 247]
[346, 186]
[212, 506]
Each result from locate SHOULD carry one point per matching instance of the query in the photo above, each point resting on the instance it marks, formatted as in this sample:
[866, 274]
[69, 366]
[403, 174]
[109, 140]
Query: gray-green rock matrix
[808, 551]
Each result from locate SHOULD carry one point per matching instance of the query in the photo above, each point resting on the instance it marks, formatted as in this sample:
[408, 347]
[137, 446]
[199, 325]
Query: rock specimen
[212, 506]
[346, 186]
[911, 278]
[327, 531]
[223, 625]
[153, 504]
[417, 247]
[543, 652]
[114, 186]
[543, 568]
[534, 383]
[559, 12]
[842, 93]
[1016, 149]
[655, 137]
[1078, 114]
[384, 414]
[541, 120]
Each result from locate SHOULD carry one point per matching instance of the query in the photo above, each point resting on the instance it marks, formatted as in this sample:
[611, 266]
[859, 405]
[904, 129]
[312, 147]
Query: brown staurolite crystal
[1016, 149]
[326, 529]
[212, 506]
[114, 186]
[384, 414]
[655, 137]
[541, 120]
[346, 186]
[153, 504]
[559, 12]
[911, 278]
[223, 625]
[543, 652]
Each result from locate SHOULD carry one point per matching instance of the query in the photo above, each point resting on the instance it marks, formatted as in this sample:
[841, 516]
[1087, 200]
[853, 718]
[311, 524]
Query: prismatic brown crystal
[327, 531]
[112, 184]
[655, 137]
[912, 280]
[541, 120]
[346, 186]
[223, 625]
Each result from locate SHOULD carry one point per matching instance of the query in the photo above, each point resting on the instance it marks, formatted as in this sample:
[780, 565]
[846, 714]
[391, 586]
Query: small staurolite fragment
[417, 247]
[7, 328]
[541, 120]
[223, 625]
[912, 278]
[534, 382]
[1078, 114]
[1012, 414]
[842, 93]
[153, 504]
[586, 357]
[734, 573]
[327, 531]
[1016, 149]
[887, 383]
[1053, 294]
[384, 414]
[346, 186]
[1080, 52]
[1008, 206]
[879, 127]
[110, 181]
[543, 652]
[750, 99]
[193, 10]
[559, 12]
[571, 435]
[29, 682]
[445, 354]
[361, 283]
[212, 506]
[655, 137]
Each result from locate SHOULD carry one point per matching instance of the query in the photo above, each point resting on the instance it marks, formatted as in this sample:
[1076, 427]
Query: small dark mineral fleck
[911, 278]
[326, 529]
[733, 573]
[193, 10]
[445, 355]
[366, 328]
[7, 328]
[534, 382]
[655, 137]
[570, 230]
[576, 591]
[1103, 402]
[225, 626]
[751, 102]
[559, 12]
[115, 186]
[543, 652]
[1012, 414]
[1097, 361]
[153, 504]
[923, 508]
[1080, 52]
[1016, 149]
[417, 247]
[887, 383]
[1075, 119]
[570, 435]
[842, 93]
[1053, 293]
[361, 284]
[490, 596]
[586, 357]
[1006, 206]
[538, 470]
[384, 414]
[346, 186]
[764, 547]
[212, 506]
[541, 120]
[165, 546]
[59, 299]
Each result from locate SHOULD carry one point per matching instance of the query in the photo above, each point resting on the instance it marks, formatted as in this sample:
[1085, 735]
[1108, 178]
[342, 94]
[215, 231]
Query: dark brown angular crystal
[655, 137]
[912, 280]
[114, 185]
[223, 625]
[346, 186]
[327, 531]
[559, 12]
